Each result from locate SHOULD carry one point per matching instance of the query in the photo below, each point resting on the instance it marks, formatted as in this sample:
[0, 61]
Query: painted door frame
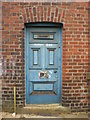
[36, 24]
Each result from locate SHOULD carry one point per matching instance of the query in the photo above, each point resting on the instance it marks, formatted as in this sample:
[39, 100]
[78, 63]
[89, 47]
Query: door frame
[43, 24]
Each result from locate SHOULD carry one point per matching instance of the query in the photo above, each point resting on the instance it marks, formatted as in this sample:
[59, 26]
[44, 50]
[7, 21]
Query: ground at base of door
[62, 115]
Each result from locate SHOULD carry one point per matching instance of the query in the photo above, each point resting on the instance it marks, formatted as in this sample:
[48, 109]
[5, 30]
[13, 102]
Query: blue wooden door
[43, 65]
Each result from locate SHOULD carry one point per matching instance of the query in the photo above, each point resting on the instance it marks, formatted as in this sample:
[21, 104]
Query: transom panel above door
[43, 65]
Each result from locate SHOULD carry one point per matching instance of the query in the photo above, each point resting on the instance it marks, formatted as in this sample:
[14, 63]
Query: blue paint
[51, 57]
[43, 86]
[35, 57]
[43, 56]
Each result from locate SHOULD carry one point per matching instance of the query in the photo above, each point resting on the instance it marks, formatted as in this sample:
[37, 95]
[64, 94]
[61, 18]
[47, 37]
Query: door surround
[47, 24]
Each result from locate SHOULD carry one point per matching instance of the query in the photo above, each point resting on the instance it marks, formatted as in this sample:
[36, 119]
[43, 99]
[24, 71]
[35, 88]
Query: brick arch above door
[43, 14]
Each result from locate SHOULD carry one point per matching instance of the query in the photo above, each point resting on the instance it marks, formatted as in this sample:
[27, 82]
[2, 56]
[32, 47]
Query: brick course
[74, 17]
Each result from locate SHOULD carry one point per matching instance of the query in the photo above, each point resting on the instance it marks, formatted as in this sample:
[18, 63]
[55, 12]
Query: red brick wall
[89, 56]
[75, 48]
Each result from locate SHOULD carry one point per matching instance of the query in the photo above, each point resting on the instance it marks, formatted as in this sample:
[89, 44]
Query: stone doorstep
[46, 110]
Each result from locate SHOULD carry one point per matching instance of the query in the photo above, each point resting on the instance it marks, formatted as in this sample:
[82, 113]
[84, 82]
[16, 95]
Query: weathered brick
[75, 47]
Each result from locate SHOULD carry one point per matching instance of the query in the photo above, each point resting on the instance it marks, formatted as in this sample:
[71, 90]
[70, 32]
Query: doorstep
[44, 109]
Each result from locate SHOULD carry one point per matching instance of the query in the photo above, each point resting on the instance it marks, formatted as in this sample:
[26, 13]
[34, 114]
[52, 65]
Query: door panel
[43, 35]
[51, 56]
[43, 70]
[35, 56]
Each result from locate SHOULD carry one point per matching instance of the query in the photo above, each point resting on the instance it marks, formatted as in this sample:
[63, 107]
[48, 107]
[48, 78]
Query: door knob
[55, 71]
